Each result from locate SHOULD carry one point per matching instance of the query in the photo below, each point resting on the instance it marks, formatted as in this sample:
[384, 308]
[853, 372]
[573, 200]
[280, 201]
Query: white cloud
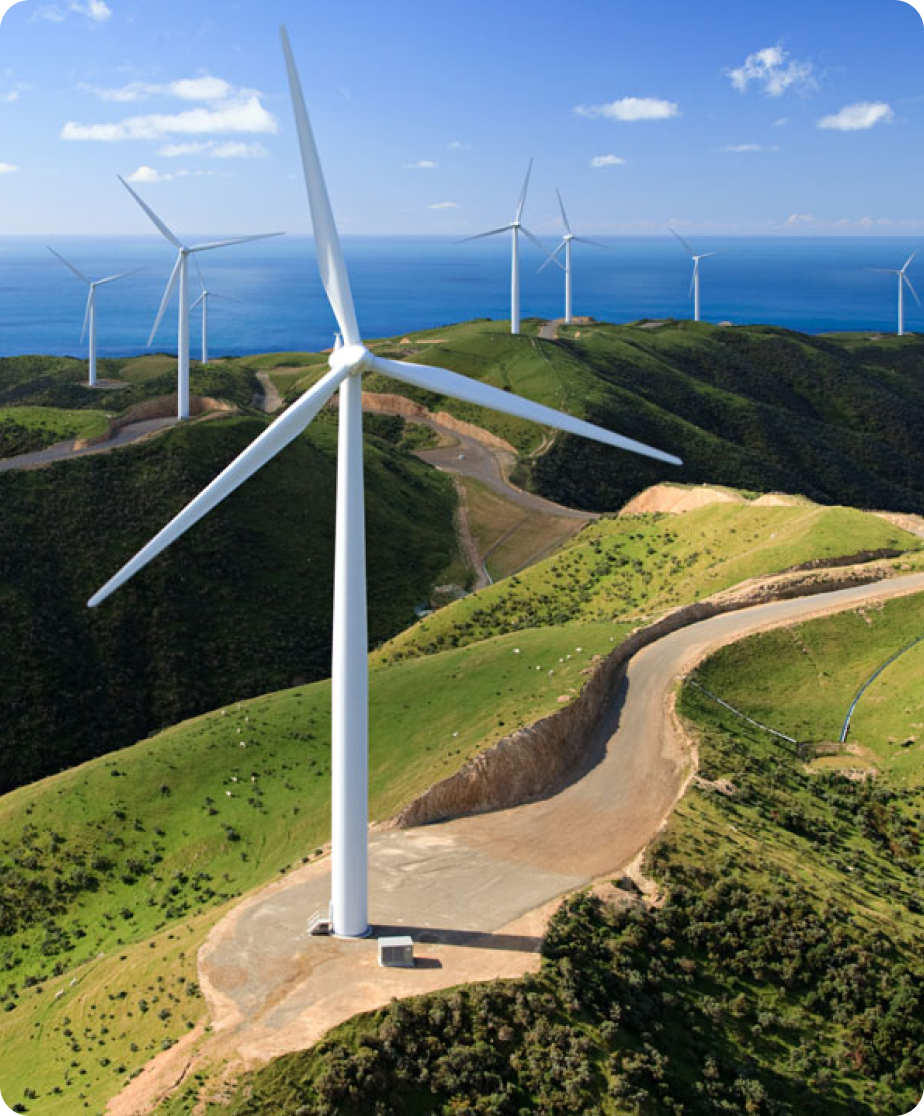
[800, 219]
[458, 145]
[422, 164]
[203, 88]
[631, 109]
[744, 148]
[96, 10]
[774, 70]
[146, 174]
[236, 150]
[444, 205]
[241, 115]
[8, 168]
[607, 161]
[859, 117]
[11, 96]
[177, 150]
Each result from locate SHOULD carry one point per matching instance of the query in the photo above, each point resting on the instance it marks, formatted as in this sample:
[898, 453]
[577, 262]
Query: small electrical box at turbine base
[396, 953]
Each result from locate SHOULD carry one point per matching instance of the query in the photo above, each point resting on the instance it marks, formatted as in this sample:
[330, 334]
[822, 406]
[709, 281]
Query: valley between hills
[664, 907]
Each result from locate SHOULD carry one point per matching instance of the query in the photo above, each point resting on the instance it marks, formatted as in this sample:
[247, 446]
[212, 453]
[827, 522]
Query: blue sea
[407, 283]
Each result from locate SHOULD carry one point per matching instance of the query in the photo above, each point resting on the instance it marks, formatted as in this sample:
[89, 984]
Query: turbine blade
[86, 315]
[595, 244]
[706, 255]
[910, 258]
[171, 284]
[535, 239]
[884, 270]
[911, 288]
[116, 278]
[692, 284]
[275, 438]
[235, 240]
[334, 275]
[69, 266]
[199, 274]
[158, 223]
[198, 301]
[554, 258]
[522, 201]
[682, 241]
[481, 236]
[484, 395]
[564, 216]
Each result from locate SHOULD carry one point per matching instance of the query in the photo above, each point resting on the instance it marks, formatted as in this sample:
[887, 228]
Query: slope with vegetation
[754, 407]
[239, 606]
[113, 872]
[779, 973]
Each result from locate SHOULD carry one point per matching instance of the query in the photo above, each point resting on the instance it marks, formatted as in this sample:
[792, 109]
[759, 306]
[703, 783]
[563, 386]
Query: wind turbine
[180, 272]
[514, 228]
[566, 241]
[694, 282]
[350, 679]
[203, 301]
[89, 317]
[902, 274]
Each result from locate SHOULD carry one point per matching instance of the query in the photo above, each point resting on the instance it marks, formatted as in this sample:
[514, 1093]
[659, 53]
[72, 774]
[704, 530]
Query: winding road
[475, 892]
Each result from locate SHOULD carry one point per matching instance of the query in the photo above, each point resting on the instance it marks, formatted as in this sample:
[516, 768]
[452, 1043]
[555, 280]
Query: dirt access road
[474, 892]
[64, 451]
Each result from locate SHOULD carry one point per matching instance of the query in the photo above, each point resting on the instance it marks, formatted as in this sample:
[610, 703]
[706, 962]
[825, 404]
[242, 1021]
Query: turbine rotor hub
[355, 358]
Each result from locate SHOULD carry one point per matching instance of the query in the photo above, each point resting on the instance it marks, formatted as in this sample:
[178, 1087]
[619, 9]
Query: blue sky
[786, 118]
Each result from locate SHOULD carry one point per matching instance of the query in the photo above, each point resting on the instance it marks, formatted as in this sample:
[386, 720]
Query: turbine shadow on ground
[470, 939]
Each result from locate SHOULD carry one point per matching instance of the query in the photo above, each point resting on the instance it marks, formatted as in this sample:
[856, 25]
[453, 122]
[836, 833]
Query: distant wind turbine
[566, 241]
[902, 274]
[514, 228]
[350, 667]
[89, 317]
[694, 282]
[203, 301]
[180, 272]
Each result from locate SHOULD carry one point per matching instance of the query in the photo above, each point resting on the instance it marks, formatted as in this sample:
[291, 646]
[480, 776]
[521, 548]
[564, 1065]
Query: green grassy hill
[112, 873]
[239, 606]
[754, 407]
[634, 567]
[780, 974]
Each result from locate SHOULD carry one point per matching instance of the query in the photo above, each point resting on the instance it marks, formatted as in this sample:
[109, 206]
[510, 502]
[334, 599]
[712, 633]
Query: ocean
[406, 283]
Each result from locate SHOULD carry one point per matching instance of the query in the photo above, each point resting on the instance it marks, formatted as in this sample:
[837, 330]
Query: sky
[797, 117]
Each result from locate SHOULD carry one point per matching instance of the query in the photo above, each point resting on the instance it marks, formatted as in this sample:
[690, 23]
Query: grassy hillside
[781, 973]
[637, 566]
[754, 407]
[26, 429]
[239, 606]
[111, 873]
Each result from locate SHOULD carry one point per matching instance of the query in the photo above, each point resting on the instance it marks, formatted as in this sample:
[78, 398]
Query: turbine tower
[203, 301]
[694, 282]
[350, 680]
[180, 272]
[89, 317]
[515, 227]
[566, 241]
[902, 274]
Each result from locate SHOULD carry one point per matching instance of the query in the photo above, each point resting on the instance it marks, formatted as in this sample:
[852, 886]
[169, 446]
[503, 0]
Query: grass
[820, 665]
[25, 429]
[638, 566]
[510, 536]
[154, 841]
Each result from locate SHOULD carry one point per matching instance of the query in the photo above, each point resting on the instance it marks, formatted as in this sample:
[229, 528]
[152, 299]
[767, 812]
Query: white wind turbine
[902, 274]
[203, 301]
[514, 228]
[348, 362]
[180, 272]
[89, 317]
[566, 241]
[694, 282]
